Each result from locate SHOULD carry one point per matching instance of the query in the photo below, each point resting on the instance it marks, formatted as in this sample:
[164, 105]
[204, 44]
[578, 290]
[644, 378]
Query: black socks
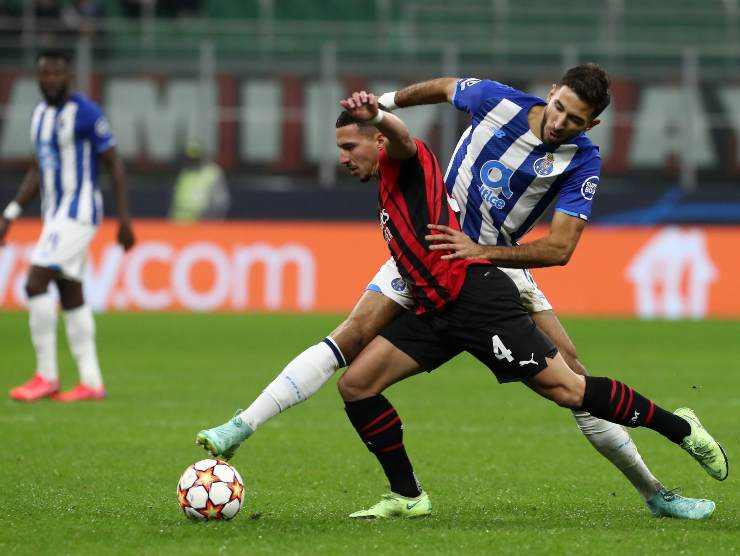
[380, 428]
[614, 401]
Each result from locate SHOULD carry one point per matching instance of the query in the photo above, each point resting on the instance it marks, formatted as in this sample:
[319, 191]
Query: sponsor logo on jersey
[398, 284]
[384, 218]
[47, 156]
[495, 177]
[543, 166]
[588, 189]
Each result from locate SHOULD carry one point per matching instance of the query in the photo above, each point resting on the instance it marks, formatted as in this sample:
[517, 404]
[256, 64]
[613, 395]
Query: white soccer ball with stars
[210, 489]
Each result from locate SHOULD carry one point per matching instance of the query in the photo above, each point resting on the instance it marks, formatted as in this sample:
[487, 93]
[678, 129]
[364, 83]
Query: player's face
[54, 79]
[565, 116]
[359, 151]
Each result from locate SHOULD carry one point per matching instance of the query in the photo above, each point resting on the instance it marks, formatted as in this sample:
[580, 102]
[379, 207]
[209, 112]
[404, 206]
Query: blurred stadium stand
[257, 82]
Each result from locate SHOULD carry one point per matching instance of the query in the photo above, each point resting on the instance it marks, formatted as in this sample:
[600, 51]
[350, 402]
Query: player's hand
[4, 227]
[126, 235]
[361, 105]
[448, 239]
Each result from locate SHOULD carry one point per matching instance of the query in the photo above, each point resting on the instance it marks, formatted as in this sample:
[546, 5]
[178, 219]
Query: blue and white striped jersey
[503, 177]
[67, 140]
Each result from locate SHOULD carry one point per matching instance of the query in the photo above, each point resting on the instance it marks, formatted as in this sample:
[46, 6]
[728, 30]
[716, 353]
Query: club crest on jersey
[588, 189]
[398, 284]
[495, 177]
[543, 166]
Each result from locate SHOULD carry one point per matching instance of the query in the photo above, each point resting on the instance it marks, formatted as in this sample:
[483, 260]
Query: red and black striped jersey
[411, 195]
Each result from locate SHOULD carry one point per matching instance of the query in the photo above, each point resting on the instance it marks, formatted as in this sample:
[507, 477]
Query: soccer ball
[210, 489]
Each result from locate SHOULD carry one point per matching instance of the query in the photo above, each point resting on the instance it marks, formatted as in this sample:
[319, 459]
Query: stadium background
[256, 84]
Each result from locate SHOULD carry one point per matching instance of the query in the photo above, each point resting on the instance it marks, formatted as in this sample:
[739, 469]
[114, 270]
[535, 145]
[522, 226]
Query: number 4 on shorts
[499, 349]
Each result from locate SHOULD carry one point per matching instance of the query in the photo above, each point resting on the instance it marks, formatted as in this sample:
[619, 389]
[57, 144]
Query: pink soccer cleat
[79, 393]
[35, 389]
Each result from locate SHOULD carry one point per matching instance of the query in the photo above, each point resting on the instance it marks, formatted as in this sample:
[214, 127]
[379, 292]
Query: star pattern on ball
[209, 490]
[211, 511]
[205, 478]
[236, 489]
[182, 497]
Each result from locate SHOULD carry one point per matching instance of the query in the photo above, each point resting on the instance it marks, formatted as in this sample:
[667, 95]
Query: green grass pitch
[508, 472]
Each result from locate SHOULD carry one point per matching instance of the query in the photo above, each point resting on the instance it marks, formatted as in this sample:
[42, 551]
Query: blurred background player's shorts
[63, 246]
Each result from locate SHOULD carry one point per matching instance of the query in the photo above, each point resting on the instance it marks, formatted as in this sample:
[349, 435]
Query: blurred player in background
[520, 155]
[70, 135]
[201, 191]
[461, 304]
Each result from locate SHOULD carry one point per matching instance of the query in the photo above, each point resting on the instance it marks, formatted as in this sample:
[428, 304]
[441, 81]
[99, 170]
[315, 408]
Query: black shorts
[487, 320]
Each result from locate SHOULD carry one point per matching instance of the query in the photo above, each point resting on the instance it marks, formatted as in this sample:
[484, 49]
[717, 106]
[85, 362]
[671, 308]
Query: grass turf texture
[508, 472]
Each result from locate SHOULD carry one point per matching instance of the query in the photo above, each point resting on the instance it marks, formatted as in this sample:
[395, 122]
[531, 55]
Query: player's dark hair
[591, 83]
[54, 55]
[346, 119]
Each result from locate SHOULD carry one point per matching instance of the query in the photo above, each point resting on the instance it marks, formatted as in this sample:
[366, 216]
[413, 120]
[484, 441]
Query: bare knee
[570, 398]
[564, 388]
[352, 387]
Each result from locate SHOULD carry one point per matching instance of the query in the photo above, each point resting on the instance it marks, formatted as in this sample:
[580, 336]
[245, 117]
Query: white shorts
[63, 246]
[389, 282]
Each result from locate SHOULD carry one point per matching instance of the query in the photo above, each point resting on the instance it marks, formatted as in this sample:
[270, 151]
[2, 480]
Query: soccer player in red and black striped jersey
[462, 305]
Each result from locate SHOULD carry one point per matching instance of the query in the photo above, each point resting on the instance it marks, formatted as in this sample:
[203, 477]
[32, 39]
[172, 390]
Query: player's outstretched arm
[434, 91]
[364, 106]
[114, 167]
[555, 249]
[27, 191]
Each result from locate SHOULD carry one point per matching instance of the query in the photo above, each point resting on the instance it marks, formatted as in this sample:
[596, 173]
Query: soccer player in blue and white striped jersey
[70, 135]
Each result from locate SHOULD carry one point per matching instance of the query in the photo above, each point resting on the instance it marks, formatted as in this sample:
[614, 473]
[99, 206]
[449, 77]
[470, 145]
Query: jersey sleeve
[97, 129]
[577, 194]
[477, 97]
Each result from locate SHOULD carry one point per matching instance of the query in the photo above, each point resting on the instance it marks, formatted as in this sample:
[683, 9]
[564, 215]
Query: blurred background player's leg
[80, 327]
[42, 320]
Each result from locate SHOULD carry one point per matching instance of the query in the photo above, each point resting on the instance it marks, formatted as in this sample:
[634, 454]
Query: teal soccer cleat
[395, 505]
[702, 447]
[668, 503]
[222, 441]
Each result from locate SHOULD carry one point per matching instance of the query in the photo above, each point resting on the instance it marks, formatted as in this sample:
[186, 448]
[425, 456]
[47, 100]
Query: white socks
[42, 319]
[298, 381]
[81, 337]
[615, 444]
